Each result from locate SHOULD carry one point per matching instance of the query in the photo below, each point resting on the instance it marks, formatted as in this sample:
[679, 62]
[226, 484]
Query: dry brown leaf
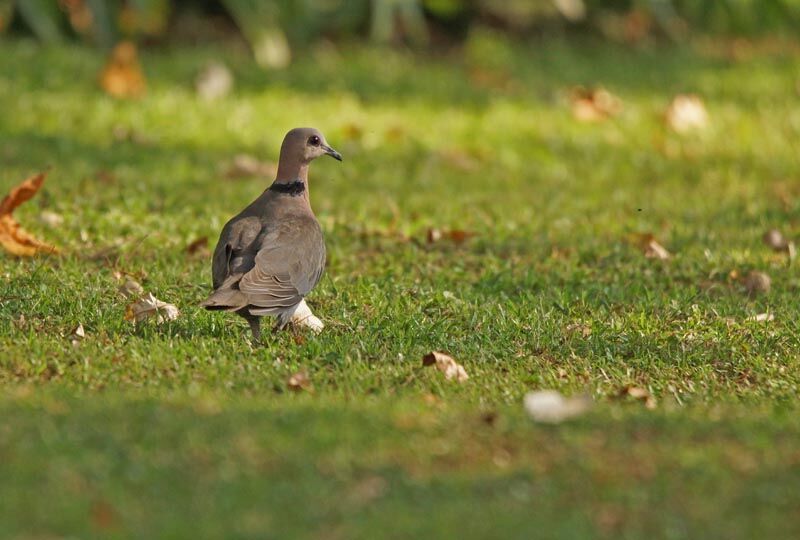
[122, 75]
[757, 283]
[79, 332]
[77, 335]
[458, 159]
[214, 82]
[457, 236]
[130, 289]
[550, 407]
[650, 246]
[198, 245]
[51, 219]
[150, 306]
[103, 515]
[594, 104]
[446, 364]
[299, 381]
[246, 166]
[640, 394]
[14, 238]
[686, 113]
[579, 328]
[775, 239]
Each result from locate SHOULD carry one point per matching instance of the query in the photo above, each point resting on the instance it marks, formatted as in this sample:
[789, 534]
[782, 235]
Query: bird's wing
[233, 254]
[287, 266]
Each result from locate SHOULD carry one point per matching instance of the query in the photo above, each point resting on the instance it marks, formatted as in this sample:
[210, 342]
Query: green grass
[185, 430]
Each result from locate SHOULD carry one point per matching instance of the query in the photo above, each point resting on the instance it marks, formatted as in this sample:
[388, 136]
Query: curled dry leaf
[594, 104]
[198, 245]
[651, 248]
[638, 393]
[457, 236]
[150, 307]
[299, 381]
[446, 364]
[122, 75]
[550, 407]
[686, 113]
[572, 10]
[77, 335]
[584, 330]
[214, 82]
[458, 159]
[130, 289]
[79, 332]
[14, 238]
[757, 283]
[245, 166]
[775, 239]
[51, 219]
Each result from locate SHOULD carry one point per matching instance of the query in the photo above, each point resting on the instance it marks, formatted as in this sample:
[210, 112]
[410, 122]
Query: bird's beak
[331, 152]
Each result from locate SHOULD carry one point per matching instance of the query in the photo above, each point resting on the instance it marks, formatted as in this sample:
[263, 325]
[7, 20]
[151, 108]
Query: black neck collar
[291, 188]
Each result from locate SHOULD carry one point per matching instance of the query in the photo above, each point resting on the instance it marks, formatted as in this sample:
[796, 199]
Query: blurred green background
[275, 28]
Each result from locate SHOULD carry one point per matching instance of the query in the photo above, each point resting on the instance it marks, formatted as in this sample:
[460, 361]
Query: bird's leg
[255, 328]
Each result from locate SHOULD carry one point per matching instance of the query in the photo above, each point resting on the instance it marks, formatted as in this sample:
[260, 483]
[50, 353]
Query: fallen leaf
[757, 283]
[686, 113]
[457, 236]
[246, 166]
[198, 245]
[79, 332]
[122, 75]
[594, 104]
[762, 317]
[458, 159]
[650, 246]
[14, 238]
[51, 219]
[121, 133]
[638, 393]
[550, 407]
[299, 381]
[446, 364]
[215, 81]
[130, 289]
[150, 306]
[775, 239]
[77, 335]
[103, 515]
[579, 328]
[572, 10]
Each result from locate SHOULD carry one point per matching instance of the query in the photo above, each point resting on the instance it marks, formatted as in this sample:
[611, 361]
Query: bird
[272, 253]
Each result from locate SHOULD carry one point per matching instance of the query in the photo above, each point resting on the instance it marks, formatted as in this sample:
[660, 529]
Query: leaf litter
[13, 237]
[149, 307]
[453, 371]
[686, 113]
[122, 75]
[551, 407]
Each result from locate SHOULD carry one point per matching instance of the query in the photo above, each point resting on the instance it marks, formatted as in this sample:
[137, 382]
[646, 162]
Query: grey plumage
[272, 254]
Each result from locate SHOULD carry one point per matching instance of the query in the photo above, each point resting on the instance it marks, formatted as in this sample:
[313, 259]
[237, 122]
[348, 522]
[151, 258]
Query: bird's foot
[300, 317]
[304, 318]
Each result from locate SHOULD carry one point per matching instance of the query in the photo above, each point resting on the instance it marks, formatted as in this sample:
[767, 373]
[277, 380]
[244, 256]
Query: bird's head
[306, 144]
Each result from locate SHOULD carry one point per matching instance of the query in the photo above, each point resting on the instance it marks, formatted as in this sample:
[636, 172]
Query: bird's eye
[313, 140]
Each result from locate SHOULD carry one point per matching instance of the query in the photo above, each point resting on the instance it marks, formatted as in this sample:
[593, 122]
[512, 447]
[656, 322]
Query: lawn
[185, 430]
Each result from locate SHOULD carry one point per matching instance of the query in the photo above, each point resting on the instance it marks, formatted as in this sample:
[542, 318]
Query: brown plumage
[272, 254]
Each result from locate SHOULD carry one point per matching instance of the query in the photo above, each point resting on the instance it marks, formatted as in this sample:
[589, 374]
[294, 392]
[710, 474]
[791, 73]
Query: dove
[272, 254]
